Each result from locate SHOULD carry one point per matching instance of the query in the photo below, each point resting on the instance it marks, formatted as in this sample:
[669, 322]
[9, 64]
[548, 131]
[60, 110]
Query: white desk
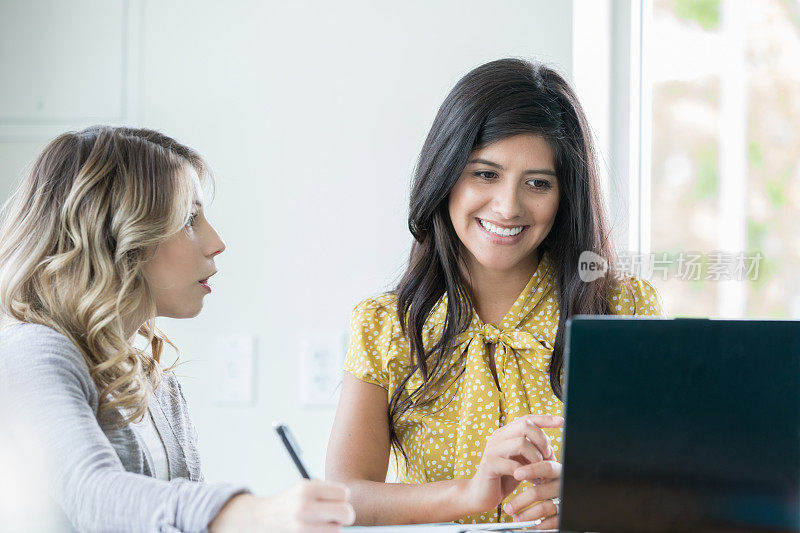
[446, 528]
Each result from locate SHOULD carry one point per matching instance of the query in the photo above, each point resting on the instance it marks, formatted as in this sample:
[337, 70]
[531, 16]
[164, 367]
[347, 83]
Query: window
[725, 156]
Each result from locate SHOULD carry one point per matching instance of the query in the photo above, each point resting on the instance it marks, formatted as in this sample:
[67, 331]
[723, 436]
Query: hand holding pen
[291, 446]
[307, 506]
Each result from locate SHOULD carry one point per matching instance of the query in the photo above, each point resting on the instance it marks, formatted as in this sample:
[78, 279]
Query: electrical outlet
[321, 359]
[235, 369]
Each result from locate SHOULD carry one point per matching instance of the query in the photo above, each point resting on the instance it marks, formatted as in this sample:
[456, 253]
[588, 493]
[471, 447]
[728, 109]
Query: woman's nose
[506, 201]
[216, 243]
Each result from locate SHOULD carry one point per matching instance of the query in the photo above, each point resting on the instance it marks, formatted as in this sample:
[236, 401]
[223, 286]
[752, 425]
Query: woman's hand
[509, 449]
[545, 477]
[308, 506]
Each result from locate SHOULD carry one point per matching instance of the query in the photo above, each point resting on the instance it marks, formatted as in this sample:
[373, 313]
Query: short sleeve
[372, 325]
[638, 297]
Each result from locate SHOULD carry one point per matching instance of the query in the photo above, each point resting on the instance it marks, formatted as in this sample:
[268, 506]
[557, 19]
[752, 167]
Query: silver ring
[557, 503]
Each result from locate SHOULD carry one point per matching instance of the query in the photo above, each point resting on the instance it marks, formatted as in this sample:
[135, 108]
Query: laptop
[681, 425]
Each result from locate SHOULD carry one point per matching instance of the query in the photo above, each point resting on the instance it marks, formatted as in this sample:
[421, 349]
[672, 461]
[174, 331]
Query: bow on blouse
[485, 405]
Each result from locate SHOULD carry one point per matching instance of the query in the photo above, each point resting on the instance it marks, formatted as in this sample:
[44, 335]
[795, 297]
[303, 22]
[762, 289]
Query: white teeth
[503, 232]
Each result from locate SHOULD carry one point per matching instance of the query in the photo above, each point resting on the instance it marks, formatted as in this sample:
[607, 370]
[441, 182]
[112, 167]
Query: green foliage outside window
[704, 12]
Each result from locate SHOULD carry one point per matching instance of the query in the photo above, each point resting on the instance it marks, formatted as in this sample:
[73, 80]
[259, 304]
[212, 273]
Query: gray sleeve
[43, 376]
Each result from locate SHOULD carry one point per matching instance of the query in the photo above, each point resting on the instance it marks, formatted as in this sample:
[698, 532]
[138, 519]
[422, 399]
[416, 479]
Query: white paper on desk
[446, 528]
[503, 526]
[528, 526]
[416, 528]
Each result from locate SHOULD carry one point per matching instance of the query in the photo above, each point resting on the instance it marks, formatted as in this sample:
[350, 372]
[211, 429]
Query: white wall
[311, 115]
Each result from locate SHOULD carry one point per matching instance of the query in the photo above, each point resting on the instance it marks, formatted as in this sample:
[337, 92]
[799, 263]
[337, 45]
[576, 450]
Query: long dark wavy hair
[494, 101]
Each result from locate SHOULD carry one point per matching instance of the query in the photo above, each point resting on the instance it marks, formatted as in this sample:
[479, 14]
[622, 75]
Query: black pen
[291, 447]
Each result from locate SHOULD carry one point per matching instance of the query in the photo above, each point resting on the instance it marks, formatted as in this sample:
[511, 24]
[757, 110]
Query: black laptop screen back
[682, 425]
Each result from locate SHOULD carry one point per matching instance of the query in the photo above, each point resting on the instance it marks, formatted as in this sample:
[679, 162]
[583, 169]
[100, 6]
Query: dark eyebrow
[495, 165]
[485, 162]
[197, 203]
[541, 171]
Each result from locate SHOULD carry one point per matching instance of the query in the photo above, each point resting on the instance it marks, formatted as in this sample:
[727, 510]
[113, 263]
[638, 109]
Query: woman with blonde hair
[106, 233]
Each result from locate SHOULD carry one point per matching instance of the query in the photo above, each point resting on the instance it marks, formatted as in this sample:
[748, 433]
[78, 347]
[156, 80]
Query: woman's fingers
[323, 490]
[526, 427]
[322, 512]
[531, 495]
[541, 421]
[516, 448]
[545, 421]
[540, 470]
[320, 502]
[550, 523]
[544, 509]
[507, 450]
[530, 426]
[539, 439]
[496, 467]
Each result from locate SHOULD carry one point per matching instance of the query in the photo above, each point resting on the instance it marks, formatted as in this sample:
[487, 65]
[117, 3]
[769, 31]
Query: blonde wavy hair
[73, 240]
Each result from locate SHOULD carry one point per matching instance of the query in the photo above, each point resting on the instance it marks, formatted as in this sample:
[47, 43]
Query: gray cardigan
[101, 476]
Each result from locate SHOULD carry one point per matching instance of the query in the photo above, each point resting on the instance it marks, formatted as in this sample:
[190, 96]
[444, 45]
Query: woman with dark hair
[458, 371]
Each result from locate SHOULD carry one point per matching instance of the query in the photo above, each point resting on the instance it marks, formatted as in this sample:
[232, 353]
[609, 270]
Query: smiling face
[504, 204]
[178, 272]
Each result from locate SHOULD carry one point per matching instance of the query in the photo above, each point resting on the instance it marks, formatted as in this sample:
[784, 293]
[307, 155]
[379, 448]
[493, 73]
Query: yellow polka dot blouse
[444, 439]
